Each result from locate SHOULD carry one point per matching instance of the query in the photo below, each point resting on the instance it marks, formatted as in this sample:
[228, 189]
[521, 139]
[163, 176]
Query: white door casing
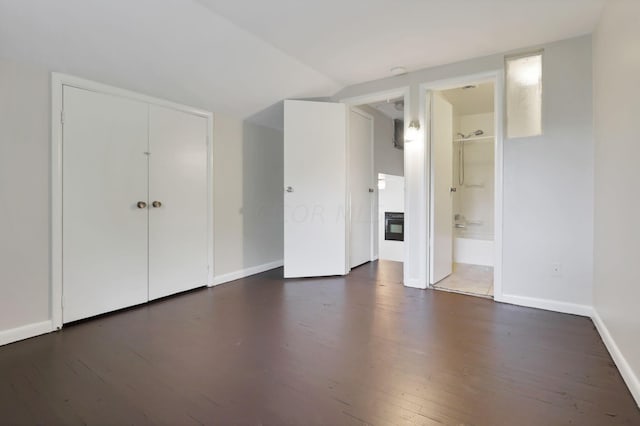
[360, 186]
[441, 204]
[315, 180]
[178, 181]
[105, 176]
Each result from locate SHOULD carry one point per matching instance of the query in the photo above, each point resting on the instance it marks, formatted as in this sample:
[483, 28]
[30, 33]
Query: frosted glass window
[524, 96]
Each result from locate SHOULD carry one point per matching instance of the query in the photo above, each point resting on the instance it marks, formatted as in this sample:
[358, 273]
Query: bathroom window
[524, 95]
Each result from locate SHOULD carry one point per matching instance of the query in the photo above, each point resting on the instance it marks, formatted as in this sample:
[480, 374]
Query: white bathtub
[473, 248]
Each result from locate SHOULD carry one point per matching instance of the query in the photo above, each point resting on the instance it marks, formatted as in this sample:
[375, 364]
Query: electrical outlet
[556, 269]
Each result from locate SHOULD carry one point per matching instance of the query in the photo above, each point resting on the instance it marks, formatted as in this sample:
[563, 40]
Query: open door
[315, 184]
[360, 187]
[441, 203]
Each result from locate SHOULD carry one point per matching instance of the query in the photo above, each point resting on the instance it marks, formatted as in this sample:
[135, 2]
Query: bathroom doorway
[463, 189]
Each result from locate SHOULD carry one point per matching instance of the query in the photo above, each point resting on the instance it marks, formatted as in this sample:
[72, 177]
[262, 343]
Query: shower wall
[475, 198]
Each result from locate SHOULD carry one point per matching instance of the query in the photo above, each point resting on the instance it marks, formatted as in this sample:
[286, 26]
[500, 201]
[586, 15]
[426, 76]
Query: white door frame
[497, 78]
[353, 102]
[59, 80]
[372, 210]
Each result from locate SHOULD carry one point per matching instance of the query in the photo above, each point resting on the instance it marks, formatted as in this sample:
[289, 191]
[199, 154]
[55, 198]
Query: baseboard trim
[25, 332]
[246, 272]
[546, 304]
[629, 377]
[416, 283]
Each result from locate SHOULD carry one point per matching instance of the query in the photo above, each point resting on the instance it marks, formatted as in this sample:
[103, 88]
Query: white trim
[58, 81]
[210, 202]
[627, 373]
[498, 209]
[547, 304]
[25, 332]
[246, 272]
[497, 78]
[414, 282]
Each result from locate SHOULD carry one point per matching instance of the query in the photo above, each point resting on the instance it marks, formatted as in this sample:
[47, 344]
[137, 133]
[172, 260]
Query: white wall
[24, 195]
[390, 199]
[617, 172]
[248, 172]
[248, 195]
[548, 180]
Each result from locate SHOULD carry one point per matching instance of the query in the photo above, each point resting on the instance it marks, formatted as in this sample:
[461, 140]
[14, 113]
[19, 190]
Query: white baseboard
[242, 273]
[630, 378]
[416, 283]
[549, 305]
[25, 331]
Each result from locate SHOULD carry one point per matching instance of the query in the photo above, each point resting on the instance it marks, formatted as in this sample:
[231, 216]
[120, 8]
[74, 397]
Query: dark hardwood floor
[356, 350]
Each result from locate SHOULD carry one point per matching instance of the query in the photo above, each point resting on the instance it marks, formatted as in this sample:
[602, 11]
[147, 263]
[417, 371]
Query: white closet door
[441, 226]
[360, 183]
[178, 181]
[315, 178]
[104, 176]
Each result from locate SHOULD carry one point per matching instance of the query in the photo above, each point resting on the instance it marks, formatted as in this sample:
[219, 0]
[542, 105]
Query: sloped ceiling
[241, 57]
[174, 49]
[354, 41]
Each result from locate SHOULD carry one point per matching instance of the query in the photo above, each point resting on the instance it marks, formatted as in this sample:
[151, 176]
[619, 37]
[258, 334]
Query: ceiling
[353, 41]
[475, 100]
[242, 57]
[173, 49]
[389, 109]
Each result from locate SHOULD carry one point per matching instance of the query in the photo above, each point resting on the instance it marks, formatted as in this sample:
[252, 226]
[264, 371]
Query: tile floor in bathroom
[476, 280]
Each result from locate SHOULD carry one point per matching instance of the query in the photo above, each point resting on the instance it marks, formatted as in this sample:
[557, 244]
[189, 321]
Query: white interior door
[104, 175]
[177, 201]
[441, 217]
[315, 155]
[360, 186]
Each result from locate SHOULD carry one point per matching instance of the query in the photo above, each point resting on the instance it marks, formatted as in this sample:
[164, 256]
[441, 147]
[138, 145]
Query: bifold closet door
[104, 203]
[178, 259]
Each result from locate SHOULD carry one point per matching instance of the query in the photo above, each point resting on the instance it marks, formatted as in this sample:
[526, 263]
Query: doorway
[331, 161]
[387, 177]
[465, 172]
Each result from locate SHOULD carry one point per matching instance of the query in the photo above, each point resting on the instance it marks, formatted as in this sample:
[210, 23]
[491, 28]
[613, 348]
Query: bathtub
[473, 248]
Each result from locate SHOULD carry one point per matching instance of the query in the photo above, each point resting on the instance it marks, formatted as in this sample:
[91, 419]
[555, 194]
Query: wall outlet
[556, 269]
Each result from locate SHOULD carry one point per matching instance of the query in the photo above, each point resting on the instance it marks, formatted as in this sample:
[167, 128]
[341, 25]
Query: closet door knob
[156, 204]
[141, 204]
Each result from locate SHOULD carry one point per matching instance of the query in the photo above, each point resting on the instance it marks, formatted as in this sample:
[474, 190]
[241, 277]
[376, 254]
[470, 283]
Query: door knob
[371, 190]
[141, 204]
[453, 189]
[156, 204]
[289, 189]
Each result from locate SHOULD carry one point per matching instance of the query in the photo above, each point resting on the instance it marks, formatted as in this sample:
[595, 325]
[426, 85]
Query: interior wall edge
[628, 375]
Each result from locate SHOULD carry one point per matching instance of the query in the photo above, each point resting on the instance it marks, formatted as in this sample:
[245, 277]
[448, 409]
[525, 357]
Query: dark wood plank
[361, 349]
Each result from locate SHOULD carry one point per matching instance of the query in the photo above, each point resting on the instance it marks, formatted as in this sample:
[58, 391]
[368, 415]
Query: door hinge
[61, 117]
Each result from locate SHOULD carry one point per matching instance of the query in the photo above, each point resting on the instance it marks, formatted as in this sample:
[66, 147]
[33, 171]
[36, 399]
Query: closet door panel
[178, 182]
[104, 176]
